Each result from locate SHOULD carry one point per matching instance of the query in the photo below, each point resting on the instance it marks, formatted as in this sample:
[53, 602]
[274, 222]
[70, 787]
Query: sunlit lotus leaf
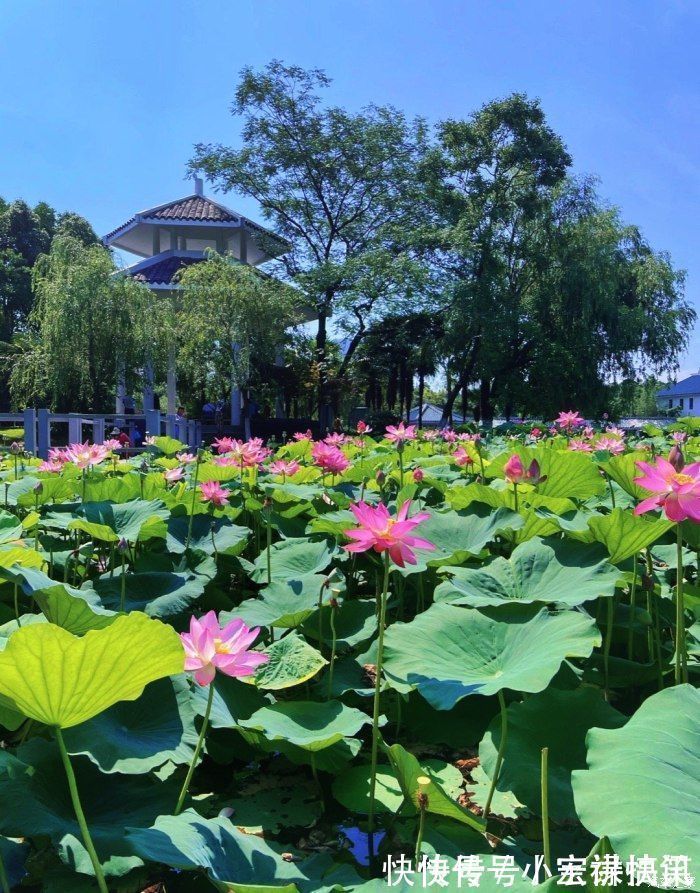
[624, 534]
[623, 470]
[648, 773]
[551, 570]
[60, 679]
[352, 787]
[17, 555]
[447, 653]
[292, 661]
[111, 522]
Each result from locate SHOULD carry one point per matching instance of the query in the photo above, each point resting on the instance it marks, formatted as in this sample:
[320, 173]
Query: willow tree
[89, 324]
[229, 320]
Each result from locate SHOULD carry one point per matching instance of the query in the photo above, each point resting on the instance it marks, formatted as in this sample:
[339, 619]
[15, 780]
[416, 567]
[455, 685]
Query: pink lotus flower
[306, 435]
[418, 475]
[335, 438]
[581, 446]
[429, 434]
[173, 475]
[462, 457]
[399, 434]
[111, 444]
[536, 432]
[379, 531]
[614, 431]
[287, 469]
[612, 444]
[515, 472]
[59, 454]
[679, 436]
[214, 493]
[210, 647]
[448, 435]
[569, 420]
[85, 454]
[225, 462]
[224, 444]
[52, 467]
[363, 427]
[329, 458]
[677, 492]
[186, 458]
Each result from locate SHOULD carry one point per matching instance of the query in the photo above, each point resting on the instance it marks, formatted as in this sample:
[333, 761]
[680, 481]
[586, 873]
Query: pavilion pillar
[236, 396]
[121, 392]
[279, 396]
[171, 383]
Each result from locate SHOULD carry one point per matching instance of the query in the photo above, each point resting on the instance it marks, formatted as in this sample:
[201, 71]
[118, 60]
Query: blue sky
[102, 102]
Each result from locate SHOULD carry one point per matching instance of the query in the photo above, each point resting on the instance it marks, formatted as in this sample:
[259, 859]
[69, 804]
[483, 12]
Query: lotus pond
[390, 660]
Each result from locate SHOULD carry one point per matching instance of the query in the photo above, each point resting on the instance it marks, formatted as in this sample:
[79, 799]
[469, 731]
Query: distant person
[208, 411]
[338, 425]
[219, 416]
[124, 439]
[181, 412]
[137, 437]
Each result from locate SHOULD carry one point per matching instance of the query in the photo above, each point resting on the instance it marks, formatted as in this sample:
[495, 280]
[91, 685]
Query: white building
[683, 397]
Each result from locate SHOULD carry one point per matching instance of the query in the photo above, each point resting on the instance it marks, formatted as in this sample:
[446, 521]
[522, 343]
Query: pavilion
[174, 235]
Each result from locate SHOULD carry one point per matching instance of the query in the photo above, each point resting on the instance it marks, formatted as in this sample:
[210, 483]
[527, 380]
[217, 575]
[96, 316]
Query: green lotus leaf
[169, 446]
[34, 781]
[133, 737]
[76, 610]
[647, 776]
[233, 701]
[210, 535]
[568, 473]
[10, 527]
[624, 534]
[539, 570]
[230, 857]
[60, 679]
[271, 802]
[17, 555]
[409, 772]
[292, 661]
[447, 653]
[293, 558]
[355, 622]
[352, 787]
[111, 522]
[556, 719]
[458, 535]
[311, 725]
[284, 603]
[157, 594]
[623, 470]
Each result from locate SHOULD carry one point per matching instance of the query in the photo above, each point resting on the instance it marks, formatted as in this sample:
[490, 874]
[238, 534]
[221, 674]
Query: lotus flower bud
[380, 477]
[122, 545]
[675, 457]
[15, 448]
[418, 475]
[38, 487]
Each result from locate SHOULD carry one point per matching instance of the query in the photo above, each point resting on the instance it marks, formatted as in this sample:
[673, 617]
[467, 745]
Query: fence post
[98, 430]
[44, 433]
[75, 428]
[30, 431]
[191, 433]
[170, 425]
[153, 422]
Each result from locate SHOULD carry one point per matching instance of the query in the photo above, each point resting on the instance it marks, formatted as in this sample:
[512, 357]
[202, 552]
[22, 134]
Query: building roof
[687, 387]
[197, 209]
[432, 415]
[163, 271]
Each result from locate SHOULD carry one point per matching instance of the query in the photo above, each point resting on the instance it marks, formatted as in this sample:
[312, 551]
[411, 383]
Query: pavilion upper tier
[179, 233]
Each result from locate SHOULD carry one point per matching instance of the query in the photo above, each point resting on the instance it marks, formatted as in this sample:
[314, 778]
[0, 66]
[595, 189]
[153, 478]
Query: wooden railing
[96, 427]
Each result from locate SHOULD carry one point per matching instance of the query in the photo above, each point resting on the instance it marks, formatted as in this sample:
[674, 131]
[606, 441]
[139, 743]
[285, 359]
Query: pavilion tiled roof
[193, 207]
[164, 271]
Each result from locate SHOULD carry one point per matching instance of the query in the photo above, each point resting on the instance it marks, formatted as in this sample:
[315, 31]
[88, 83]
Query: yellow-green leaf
[59, 679]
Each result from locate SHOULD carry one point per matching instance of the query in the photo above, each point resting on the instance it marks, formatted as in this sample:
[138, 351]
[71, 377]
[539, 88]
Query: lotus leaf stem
[197, 751]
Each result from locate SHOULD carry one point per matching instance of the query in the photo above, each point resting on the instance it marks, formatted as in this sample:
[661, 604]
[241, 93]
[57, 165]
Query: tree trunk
[485, 404]
[421, 392]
